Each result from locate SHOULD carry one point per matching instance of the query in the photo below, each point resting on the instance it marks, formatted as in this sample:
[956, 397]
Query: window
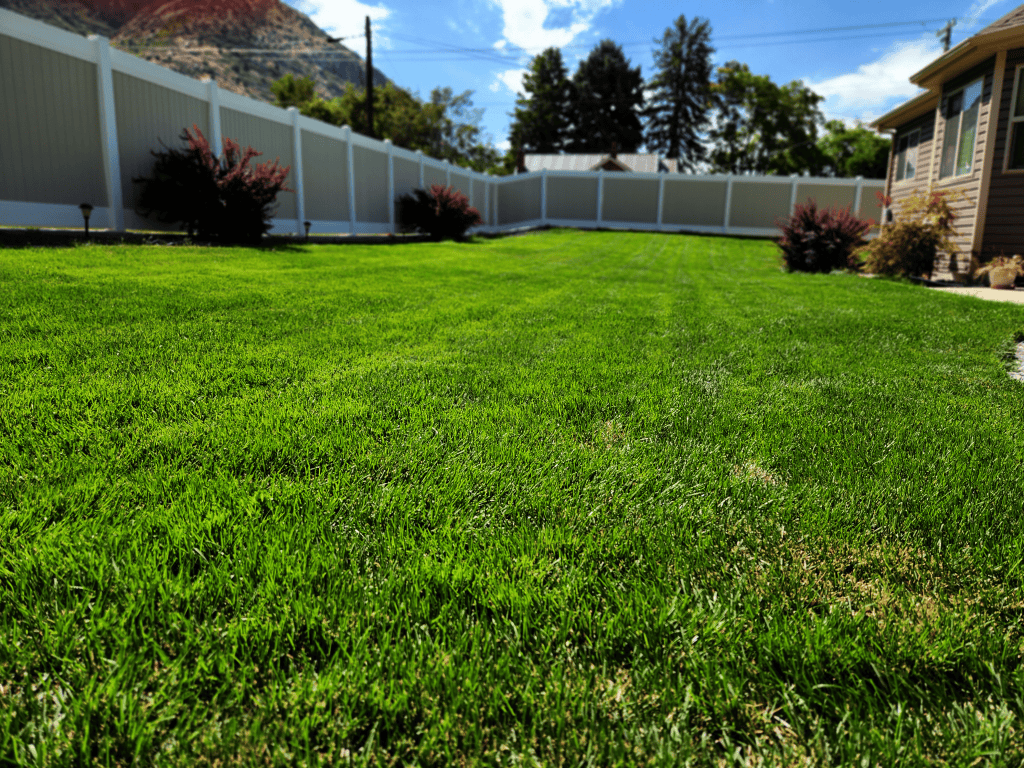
[906, 155]
[1015, 131]
[962, 109]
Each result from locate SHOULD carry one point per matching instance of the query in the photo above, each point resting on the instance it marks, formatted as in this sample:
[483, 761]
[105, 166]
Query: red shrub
[816, 240]
[443, 212]
[226, 199]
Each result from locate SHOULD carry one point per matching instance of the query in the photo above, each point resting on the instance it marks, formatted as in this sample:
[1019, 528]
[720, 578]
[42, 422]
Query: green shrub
[443, 213]
[226, 200]
[816, 240]
[908, 246]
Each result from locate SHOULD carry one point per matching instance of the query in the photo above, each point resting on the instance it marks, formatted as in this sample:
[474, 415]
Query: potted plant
[1002, 271]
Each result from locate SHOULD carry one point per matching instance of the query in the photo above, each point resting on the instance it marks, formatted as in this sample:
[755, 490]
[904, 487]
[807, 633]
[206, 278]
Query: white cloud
[877, 86]
[510, 78]
[974, 13]
[524, 21]
[342, 18]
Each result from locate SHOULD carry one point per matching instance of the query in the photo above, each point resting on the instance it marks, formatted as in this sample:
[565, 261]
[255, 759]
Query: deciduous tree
[851, 152]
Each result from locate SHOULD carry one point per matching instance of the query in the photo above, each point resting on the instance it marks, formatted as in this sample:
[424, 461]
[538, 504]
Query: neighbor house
[612, 161]
[966, 132]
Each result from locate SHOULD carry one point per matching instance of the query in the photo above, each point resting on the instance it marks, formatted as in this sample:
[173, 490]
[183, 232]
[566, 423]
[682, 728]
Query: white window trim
[960, 131]
[1009, 125]
[917, 156]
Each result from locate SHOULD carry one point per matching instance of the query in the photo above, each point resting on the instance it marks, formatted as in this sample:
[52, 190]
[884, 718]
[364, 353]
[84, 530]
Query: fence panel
[693, 202]
[870, 207]
[325, 181]
[630, 200]
[756, 203]
[572, 198]
[371, 169]
[826, 195]
[50, 145]
[519, 200]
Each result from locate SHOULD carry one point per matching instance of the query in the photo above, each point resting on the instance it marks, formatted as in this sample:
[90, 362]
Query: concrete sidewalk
[1015, 296]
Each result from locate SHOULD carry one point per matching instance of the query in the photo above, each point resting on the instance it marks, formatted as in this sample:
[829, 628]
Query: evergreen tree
[607, 98]
[680, 98]
[541, 118]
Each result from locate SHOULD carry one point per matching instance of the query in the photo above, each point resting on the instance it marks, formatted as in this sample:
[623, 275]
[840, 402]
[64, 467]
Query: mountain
[214, 38]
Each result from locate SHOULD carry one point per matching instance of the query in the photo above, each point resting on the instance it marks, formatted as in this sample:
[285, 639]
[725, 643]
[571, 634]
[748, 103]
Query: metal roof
[638, 163]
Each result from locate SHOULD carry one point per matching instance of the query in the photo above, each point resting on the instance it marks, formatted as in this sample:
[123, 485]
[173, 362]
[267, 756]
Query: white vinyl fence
[78, 122]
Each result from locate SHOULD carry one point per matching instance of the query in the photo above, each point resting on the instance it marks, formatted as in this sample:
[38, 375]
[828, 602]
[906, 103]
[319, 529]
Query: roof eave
[908, 110]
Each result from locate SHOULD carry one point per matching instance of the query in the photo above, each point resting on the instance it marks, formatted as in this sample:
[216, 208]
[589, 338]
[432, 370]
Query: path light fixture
[86, 213]
[307, 225]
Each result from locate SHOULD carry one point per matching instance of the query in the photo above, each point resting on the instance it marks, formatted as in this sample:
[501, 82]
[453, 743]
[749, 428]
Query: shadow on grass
[66, 238]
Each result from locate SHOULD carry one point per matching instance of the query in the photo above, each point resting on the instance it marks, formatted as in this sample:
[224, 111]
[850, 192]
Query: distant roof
[1014, 18]
[635, 162]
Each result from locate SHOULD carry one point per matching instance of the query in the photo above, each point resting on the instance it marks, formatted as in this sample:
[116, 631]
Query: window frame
[1008, 144]
[909, 135]
[960, 131]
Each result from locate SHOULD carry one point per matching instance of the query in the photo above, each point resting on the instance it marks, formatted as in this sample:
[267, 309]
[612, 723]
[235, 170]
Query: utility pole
[369, 81]
[945, 33]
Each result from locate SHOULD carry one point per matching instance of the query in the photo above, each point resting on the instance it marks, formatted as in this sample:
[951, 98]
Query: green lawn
[625, 498]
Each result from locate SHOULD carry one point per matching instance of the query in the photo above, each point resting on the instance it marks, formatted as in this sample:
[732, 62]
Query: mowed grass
[553, 499]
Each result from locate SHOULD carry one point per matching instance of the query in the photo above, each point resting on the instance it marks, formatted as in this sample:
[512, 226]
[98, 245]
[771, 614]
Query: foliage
[852, 152]
[446, 127]
[293, 92]
[607, 97]
[443, 213]
[820, 240]
[217, 199]
[680, 92]
[541, 119]
[922, 227]
[763, 128]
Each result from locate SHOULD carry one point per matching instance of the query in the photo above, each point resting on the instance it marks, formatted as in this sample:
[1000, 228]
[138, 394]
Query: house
[966, 131]
[612, 161]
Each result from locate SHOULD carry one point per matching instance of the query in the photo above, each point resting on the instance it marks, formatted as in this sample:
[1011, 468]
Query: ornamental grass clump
[821, 239]
[909, 245]
[443, 213]
[225, 200]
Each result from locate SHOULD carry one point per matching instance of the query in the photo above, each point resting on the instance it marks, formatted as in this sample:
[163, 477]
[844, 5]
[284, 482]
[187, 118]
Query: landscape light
[307, 225]
[86, 213]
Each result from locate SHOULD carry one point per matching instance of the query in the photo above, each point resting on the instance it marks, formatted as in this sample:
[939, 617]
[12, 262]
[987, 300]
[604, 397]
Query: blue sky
[485, 45]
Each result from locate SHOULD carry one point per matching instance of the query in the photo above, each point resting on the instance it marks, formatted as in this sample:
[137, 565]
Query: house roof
[637, 163]
[1006, 31]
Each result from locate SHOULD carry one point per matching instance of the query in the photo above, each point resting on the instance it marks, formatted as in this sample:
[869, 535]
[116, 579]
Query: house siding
[1003, 229]
[970, 183]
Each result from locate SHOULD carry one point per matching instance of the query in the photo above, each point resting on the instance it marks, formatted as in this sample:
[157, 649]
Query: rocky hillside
[245, 45]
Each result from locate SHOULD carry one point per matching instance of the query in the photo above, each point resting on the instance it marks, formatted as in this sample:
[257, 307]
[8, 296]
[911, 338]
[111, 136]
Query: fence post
[600, 193]
[728, 203]
[108, 133]
[447, 173]
[300, 198]
[391, 184]
[857, 196]
[351, 180]
[661, 197]
[792, 194]
[213, 97]
[543, 196]
[419, 154]
[497, 199]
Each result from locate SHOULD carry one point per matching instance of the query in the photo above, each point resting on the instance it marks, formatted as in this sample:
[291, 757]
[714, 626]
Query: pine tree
[680, 98]
[541, 118]
[607, 97]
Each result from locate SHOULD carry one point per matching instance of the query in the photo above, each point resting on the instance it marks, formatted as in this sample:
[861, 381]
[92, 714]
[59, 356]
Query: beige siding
[519, 201]
[407, 176]
[371, 171]
[632, 200]
[274, 140]
[927, 156]
[150, 118]
[572, 198]
[968, 184]
[324, 177]
[694, 203]
[826, 195]
[50, 149]
[758, 204]
[1004, 217]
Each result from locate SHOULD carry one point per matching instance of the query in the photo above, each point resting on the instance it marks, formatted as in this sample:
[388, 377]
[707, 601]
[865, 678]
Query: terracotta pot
[1002, 277]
